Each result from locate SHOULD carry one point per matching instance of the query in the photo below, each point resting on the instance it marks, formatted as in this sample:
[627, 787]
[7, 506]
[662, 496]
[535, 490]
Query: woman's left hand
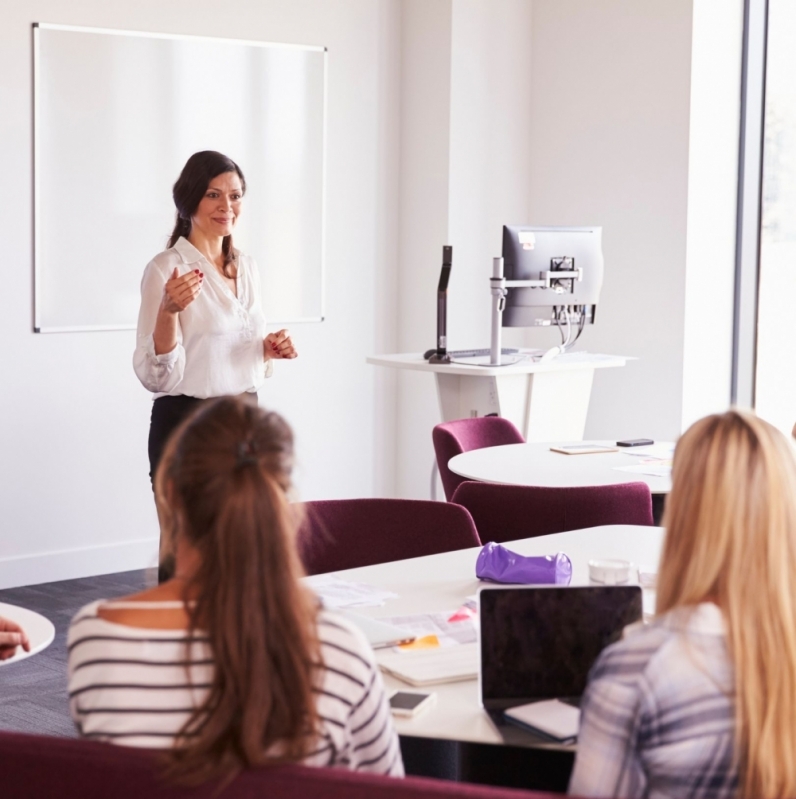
[11, 636]
[279, 345]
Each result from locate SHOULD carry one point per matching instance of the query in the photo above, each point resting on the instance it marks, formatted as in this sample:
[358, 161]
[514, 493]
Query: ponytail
[230, 257]
[229, 471]
[182, 228]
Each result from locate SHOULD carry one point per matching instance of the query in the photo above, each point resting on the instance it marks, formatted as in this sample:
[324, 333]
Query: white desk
[442, 582]
[536, 465]
[40, 631]
[546, 401]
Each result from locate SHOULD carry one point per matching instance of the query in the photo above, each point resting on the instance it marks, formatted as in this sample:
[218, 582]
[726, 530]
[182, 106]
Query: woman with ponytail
[201, 329]
[702, 701]
[232, 663]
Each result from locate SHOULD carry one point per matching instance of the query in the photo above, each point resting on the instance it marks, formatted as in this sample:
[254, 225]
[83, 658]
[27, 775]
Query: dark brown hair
[189, 189]
[222, 484]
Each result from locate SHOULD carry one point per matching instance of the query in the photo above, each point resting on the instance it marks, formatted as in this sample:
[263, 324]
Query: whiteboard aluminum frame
[35, 28]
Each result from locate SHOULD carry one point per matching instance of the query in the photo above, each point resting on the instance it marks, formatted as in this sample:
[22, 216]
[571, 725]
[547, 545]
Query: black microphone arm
[441, 355]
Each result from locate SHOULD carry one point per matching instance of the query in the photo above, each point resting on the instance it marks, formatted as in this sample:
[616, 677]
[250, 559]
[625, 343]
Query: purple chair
[510, 512]
[38, 766]
[462, 435]
[341, 534]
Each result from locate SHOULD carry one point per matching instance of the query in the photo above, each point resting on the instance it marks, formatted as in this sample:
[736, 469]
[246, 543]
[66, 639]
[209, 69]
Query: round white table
[39, 629]
[537, 465]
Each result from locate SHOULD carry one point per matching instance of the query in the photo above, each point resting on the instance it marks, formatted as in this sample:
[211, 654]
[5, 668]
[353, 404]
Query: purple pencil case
[501, 565]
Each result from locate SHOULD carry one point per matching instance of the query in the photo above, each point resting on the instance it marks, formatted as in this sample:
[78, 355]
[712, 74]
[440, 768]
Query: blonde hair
[731, 539]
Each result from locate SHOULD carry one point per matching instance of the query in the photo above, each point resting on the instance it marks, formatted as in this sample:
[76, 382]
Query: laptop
[538, 643]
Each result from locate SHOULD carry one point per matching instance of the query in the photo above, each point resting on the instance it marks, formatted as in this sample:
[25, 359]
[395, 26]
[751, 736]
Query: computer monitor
[530, 253]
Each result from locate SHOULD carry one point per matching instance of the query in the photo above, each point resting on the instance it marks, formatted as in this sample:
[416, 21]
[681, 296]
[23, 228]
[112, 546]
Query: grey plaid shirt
[658, 713]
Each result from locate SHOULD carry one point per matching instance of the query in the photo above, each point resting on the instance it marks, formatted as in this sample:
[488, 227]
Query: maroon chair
[462, 435]
[37, 766]
[341, 534]
[509, 512]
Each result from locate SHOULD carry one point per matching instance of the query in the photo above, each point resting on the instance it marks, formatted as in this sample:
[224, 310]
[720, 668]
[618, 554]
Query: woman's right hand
[181, 290]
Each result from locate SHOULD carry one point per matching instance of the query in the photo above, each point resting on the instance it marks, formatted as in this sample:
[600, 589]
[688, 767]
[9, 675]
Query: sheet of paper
[337, 593]
[659, 450]
[486, 360]
[581, 356]
[449, 633]
[655, 469]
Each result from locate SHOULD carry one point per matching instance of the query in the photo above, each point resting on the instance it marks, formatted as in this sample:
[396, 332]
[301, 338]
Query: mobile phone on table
[635, 442]
[409, 703]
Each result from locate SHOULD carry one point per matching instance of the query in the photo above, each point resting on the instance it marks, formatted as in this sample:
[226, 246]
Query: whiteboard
[116, 116]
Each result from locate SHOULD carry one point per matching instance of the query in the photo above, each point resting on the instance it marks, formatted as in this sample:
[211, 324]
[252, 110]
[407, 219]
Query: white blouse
[219, 336]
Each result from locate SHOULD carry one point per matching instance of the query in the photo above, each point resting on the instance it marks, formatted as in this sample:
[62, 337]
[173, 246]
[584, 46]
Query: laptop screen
[539, 642]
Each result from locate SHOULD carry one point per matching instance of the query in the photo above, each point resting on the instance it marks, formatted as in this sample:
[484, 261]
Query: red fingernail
[197, 271]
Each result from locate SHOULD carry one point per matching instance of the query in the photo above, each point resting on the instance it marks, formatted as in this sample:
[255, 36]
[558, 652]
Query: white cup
[610, 572]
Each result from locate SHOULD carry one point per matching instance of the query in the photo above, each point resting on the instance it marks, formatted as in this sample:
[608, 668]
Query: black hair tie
[246, 454]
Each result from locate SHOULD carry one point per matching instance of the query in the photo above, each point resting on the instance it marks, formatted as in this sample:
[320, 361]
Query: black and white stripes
[136, 687]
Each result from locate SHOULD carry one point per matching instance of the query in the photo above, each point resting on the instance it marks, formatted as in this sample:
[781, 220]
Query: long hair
[731, 538]
[222, 484]
[189, 190]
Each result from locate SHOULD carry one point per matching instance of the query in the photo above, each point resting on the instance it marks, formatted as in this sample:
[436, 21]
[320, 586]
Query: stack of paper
[432, 666]
[337, 593]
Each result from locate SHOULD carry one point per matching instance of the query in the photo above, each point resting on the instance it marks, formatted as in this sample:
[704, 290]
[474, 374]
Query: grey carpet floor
[33, 691]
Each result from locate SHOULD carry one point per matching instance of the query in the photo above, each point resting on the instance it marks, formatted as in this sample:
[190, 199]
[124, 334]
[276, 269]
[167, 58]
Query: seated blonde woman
[231, 663]
[702, 701]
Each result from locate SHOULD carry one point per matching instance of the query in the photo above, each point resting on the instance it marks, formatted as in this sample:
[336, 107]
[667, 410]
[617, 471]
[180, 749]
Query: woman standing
[702, 701]
[201, 329]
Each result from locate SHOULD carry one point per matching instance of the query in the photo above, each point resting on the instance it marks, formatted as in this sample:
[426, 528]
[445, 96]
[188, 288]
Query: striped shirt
[658, 713]
[138, 687]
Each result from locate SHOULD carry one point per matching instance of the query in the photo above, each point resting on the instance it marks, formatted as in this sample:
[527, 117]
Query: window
[775, 385]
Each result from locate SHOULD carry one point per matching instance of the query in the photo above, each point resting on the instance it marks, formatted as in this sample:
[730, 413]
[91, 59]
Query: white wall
[75, 496]
[464, 168]
[423, 225]
[610, 147]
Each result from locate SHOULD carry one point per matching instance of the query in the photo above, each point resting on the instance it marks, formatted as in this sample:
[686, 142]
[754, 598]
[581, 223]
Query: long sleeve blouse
[658, 715]
[220, 336]
[138, 687]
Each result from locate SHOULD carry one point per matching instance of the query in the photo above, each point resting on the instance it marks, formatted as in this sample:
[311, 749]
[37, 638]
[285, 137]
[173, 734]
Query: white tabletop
[443, 582]
[566, 362]
[536, 465]
[39, 630]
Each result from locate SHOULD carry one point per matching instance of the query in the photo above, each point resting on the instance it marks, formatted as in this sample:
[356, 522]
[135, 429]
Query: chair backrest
[507, 513]
[462, 435]
[71, 769]
[346, 533]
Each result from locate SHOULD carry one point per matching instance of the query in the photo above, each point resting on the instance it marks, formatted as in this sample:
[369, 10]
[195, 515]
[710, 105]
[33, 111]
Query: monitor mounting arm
[563, 272]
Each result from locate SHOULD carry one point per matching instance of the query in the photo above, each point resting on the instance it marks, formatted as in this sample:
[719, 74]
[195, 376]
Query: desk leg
[545, 406]
[558, 403]
[462, 396]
